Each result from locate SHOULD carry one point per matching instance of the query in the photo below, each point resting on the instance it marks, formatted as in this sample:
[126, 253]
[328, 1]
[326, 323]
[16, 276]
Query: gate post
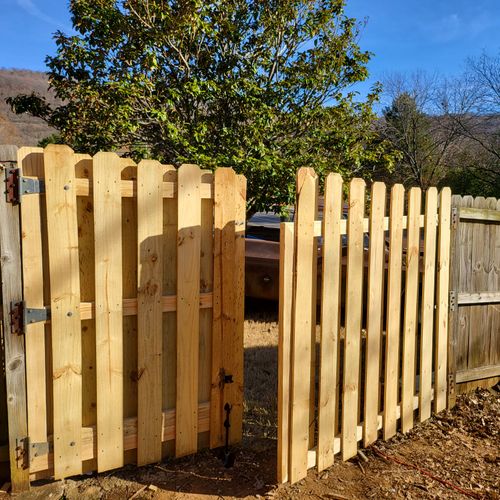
[14, 352]
[453, 306]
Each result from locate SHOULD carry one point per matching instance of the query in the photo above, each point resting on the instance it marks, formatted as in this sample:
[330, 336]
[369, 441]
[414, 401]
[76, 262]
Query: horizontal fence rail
[382, 356]
[133, 304]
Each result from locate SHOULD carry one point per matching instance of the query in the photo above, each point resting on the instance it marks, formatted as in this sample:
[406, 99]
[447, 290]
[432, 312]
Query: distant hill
[22, 130]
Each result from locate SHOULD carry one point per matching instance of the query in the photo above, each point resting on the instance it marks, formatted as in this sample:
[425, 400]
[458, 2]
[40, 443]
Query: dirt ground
[456, 450]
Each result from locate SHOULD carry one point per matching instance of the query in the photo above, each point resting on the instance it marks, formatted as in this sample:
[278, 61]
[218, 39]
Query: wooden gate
[475, 293]
[388, 277]
[131, 311]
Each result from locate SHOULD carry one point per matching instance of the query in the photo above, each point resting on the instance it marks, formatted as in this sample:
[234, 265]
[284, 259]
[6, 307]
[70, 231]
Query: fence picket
[108, 309]
[375, 313]
[427, 304]
[284, 346]
[410, 311]
[330, 319]
[31, 162]
[302, 322]
[188, 298]
[149, 310]
[353, 306]
[65, 308]
[393, 321]
[442, 302]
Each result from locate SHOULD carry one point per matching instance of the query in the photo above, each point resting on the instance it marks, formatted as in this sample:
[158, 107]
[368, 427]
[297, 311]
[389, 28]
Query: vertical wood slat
[306, 207]
[65, 308]
[188, 300]
[13, 344]
[330, 319]
[31, 162]
[107, 169]
[169, 358]
[223, 297]
[284, 346]
[86, 256]
[149, 310]
[391, 375]
[353, 306]
[236, 343]
[495, 285]
[427, 304]
[206, 317]
[375, 313]
[442, 301]
[410, 312]
[478, 345]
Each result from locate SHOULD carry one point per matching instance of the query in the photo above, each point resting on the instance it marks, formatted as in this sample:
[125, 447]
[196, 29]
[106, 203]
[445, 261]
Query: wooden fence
[358, 380]
[126, 335]
[475, 293]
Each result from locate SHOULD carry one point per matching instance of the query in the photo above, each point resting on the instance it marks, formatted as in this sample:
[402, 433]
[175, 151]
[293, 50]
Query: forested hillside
[22, 130]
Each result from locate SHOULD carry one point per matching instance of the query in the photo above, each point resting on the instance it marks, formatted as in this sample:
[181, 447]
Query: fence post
[14, 355]
[453, 306]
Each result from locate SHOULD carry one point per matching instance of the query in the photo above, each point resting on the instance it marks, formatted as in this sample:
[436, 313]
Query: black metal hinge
[16, 186]
[21, 316]
[27, 451]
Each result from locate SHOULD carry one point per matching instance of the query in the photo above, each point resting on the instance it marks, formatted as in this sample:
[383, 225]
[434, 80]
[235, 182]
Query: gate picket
[427, 304]
[411, 304]
[149, 311]
[188, 298]
[107, 168]
[302, 323]
[62, 233]
[393, 321]
[375, 313]
[330, 320]
[353, 306]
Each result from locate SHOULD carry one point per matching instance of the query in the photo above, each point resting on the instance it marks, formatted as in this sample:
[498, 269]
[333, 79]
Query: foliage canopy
[261, 86]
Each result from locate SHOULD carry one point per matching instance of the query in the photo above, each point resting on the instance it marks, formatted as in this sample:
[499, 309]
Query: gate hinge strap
[17, 185]
[21, 316]
[27, 451]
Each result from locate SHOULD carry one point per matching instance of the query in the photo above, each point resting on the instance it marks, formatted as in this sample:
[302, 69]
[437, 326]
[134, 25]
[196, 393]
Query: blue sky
[404, 35]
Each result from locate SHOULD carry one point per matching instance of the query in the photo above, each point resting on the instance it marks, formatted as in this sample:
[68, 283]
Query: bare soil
[455, 450]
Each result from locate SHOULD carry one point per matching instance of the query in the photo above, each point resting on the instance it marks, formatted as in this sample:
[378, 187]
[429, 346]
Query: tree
[260, 86]
[425, 140]
[471, 104]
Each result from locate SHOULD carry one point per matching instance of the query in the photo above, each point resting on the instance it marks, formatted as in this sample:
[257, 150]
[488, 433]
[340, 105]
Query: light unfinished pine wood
[393, 325]
[284, 346]
[442, 301]
[305, 251]
[107, 170]
[375, 306]
[149, 314]
[330, 319]
[42, 466]
[353, 305]
[188, 318]
[86, 260]
[170, 289]
[224, 296]
[235, 341]
[62, 230]
[31, 162]
[13, 344]
[410, 312]
[427, 304]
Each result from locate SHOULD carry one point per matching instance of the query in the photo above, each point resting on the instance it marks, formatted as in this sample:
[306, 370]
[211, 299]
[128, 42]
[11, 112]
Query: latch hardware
[16, 186]
[21, 316]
